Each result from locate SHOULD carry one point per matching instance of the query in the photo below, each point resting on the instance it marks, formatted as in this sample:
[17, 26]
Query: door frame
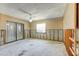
[16, 30]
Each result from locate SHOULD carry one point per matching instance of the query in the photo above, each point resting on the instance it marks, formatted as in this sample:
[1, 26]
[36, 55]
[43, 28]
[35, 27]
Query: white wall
[69, 17]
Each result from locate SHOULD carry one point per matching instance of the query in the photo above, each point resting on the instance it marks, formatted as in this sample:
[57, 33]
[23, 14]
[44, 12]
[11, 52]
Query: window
[41, 28]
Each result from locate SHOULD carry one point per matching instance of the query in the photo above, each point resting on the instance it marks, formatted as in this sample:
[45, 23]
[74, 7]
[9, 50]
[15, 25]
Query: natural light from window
[41, 28]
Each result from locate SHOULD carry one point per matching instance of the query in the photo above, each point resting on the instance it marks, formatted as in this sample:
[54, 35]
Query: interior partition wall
[14, 31]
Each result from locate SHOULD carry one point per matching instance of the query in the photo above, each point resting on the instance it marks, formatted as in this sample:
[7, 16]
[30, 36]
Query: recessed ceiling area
[38, 11]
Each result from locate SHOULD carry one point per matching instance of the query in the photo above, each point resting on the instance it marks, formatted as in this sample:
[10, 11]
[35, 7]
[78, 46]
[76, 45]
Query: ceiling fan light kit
[30, 20]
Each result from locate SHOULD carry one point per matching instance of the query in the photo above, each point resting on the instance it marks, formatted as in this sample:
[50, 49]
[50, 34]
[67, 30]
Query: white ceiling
[38, 10]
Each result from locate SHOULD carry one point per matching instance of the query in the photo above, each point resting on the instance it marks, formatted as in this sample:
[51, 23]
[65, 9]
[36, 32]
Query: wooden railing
[70, 41]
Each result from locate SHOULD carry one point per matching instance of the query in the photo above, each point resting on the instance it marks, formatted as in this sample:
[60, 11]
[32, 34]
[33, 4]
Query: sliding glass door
[15, 31]
[11, 32]
[19, 31]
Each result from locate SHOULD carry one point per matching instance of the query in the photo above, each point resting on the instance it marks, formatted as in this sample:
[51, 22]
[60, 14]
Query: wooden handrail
[71, 39]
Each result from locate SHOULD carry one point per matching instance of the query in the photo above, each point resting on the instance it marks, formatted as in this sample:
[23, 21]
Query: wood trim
[3, 35]
[77, 15]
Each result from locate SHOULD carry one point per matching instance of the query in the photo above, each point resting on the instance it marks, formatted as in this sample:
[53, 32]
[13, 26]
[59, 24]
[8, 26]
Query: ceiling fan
[30, 15]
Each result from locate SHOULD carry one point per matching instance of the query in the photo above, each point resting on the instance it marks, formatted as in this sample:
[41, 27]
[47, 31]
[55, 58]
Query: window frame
[41, 31]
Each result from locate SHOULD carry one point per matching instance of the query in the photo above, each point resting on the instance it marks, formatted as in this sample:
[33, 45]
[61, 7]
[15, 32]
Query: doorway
[14, 31]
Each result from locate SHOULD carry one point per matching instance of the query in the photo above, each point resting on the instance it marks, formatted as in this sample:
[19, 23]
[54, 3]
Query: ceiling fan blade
[24, 11]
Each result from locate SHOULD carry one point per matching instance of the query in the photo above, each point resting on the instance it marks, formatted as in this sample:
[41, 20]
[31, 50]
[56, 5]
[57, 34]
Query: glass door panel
[19, 31]
[11, 31]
